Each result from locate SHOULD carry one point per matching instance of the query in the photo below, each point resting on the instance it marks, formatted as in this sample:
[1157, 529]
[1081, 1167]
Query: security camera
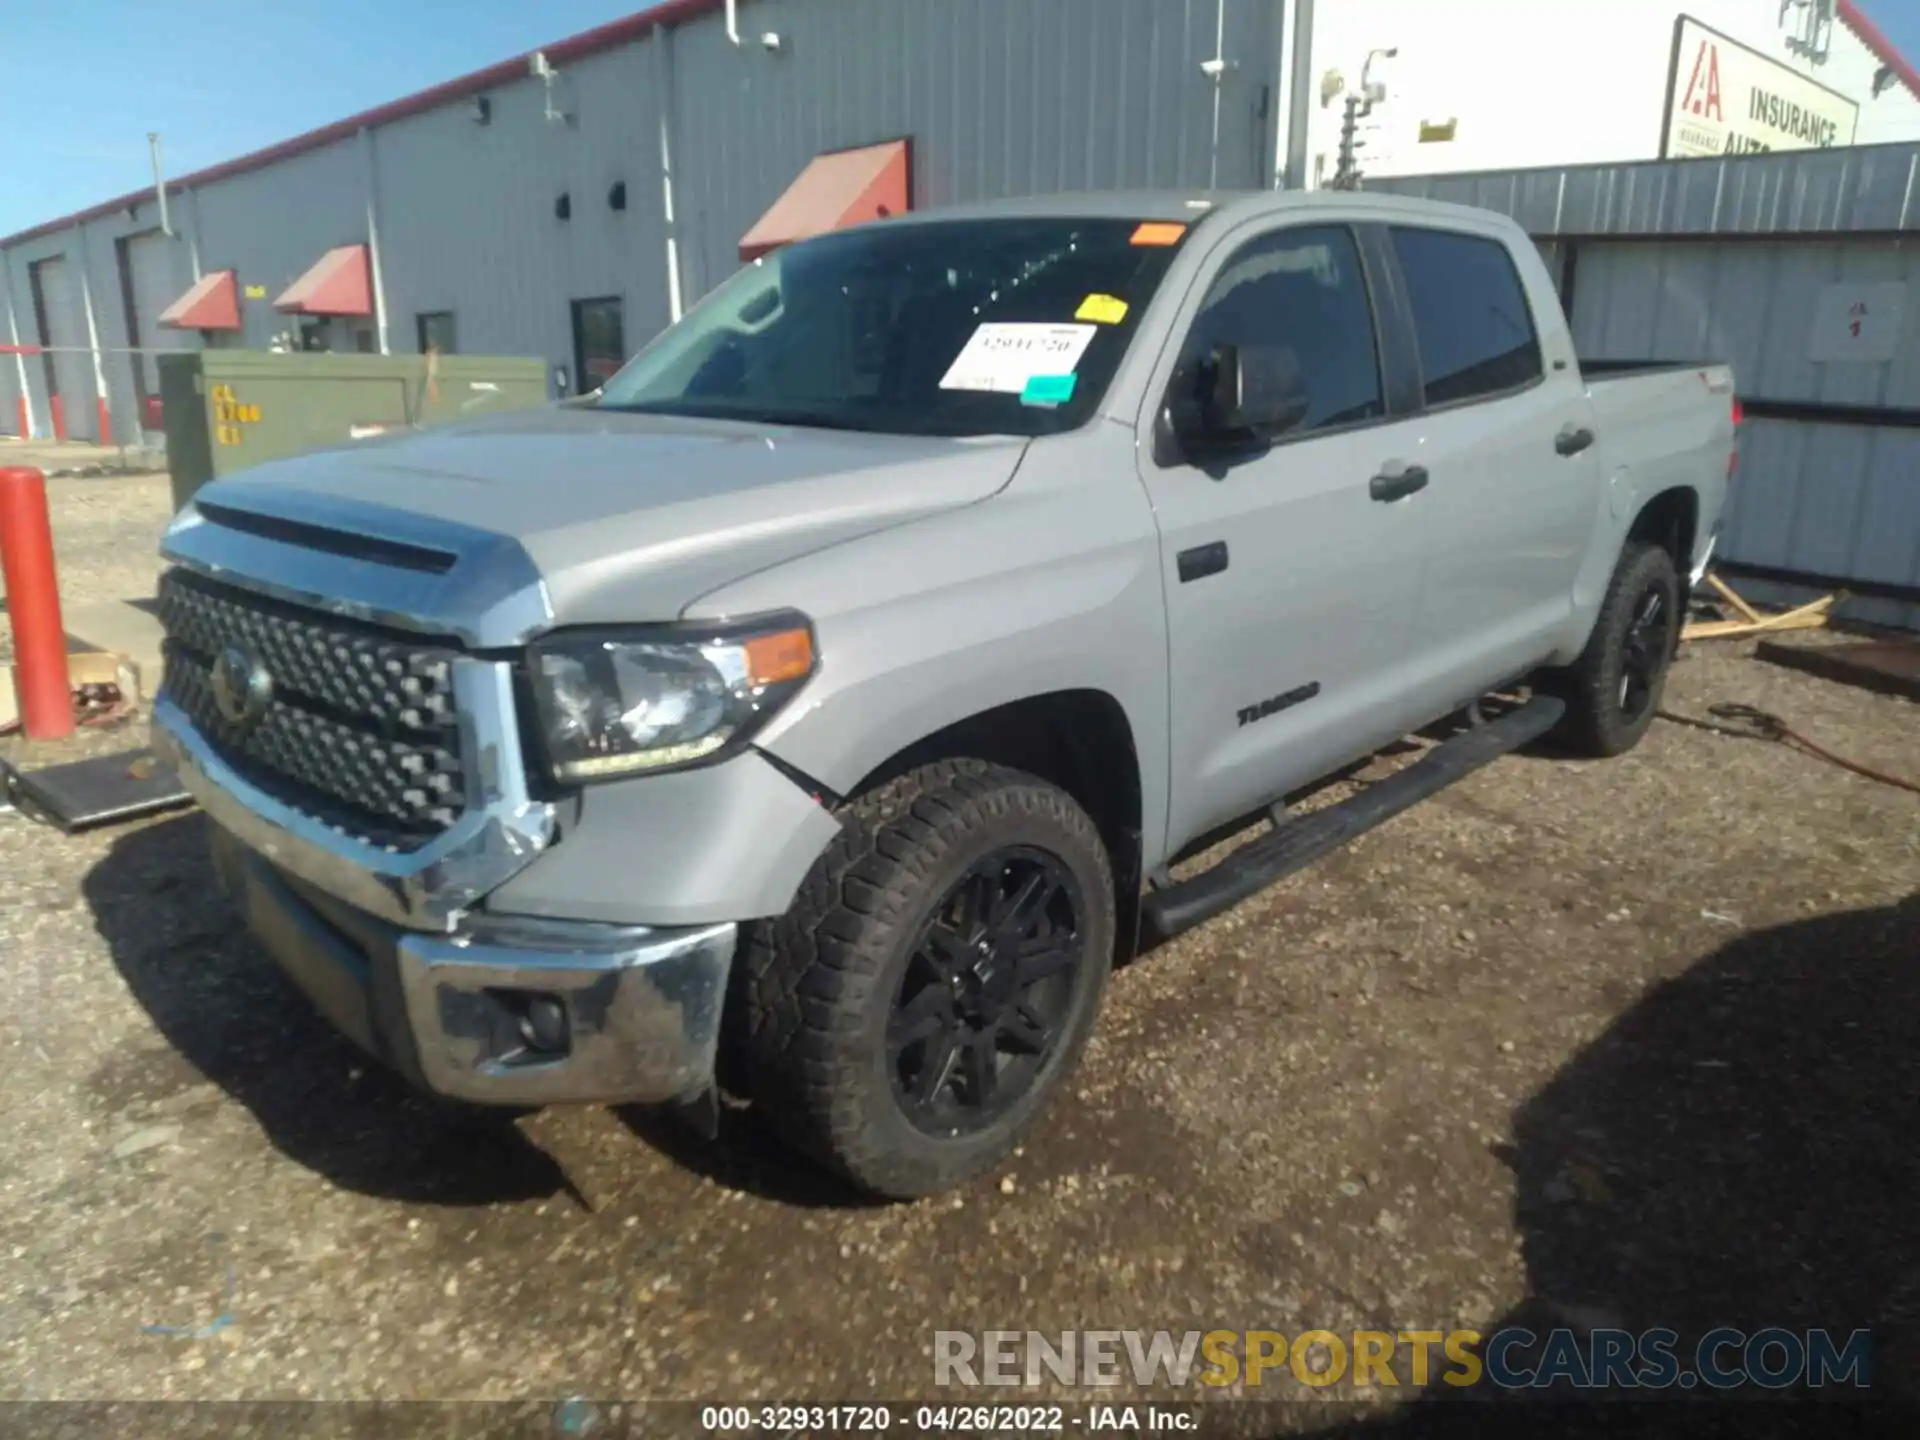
[538, 67]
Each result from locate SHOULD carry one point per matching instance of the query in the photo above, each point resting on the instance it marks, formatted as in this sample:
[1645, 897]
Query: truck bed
[1621, 369]
[1665, 425]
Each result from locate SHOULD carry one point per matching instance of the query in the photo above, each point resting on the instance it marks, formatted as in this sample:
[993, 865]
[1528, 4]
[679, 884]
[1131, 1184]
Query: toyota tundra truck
[816, 713]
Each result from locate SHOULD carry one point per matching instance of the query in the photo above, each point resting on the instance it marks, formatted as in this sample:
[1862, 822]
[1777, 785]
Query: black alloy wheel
[1644, 651]
[935, 980]
[1613, 688]
[987, 991]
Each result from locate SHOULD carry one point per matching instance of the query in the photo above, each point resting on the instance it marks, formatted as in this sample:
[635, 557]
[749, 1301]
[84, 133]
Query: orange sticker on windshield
[1158, 232]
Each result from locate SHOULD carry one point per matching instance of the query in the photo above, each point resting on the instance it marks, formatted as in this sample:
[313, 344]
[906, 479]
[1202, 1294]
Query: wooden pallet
[1814, 615]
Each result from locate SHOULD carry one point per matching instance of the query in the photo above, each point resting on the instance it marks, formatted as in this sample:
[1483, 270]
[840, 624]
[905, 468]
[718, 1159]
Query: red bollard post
[57, 408]
[33, 604]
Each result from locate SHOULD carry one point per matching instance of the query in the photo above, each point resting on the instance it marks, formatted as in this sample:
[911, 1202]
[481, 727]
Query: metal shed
[1803, 269]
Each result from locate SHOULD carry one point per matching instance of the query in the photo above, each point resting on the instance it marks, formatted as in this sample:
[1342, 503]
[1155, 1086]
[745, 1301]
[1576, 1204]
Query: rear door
[1508, 439]
[1290, 586]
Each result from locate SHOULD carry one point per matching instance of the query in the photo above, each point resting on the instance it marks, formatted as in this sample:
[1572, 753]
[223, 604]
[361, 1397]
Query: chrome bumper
[499, 835]
[641, 1006]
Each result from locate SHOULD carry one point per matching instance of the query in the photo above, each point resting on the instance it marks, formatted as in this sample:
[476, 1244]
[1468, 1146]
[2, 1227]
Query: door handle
[1572, 439]
[1397, 484]
[1202, 561]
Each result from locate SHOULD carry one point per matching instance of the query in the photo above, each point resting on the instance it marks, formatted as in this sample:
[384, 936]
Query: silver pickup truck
[816, 712]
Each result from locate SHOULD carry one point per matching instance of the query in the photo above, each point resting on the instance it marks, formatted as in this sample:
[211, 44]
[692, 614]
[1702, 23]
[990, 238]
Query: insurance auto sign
[1726, 99]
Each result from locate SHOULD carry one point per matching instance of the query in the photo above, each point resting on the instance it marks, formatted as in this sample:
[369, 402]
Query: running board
[1302, 839]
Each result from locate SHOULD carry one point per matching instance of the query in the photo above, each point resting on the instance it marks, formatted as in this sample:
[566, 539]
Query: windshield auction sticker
[1004, 356]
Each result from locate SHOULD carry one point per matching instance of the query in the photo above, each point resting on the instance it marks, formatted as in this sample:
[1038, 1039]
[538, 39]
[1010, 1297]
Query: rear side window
[1299, 294]
[1470, 315]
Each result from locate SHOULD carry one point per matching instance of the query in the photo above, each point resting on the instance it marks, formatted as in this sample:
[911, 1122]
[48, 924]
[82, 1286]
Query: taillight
[1733, 450]
[1739, 412]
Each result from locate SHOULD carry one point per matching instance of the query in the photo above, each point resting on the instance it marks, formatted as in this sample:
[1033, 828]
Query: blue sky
[219, 80]
[82, 81]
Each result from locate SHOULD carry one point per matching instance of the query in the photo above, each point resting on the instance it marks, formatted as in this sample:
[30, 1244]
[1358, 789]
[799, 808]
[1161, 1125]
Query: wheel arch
[1671, 520]
[1078, 739]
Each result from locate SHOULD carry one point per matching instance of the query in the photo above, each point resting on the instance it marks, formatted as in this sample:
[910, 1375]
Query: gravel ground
[1629, 1043]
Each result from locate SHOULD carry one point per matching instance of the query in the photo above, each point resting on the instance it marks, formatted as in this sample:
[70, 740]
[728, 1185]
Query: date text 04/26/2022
[960, 1419]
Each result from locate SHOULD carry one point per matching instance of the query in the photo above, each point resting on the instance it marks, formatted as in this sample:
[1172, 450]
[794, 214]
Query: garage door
[63, 327]
[150, 273]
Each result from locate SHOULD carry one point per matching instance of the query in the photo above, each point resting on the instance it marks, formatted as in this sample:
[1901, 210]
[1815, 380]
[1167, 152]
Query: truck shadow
[225, 1008]
[1737, 1149]
[747, 1156]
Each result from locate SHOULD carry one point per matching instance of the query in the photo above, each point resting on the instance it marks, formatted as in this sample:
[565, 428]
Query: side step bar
[1296, 843]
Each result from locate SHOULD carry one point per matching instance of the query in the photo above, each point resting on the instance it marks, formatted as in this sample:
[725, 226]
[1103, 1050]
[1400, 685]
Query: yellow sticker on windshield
[1102, 309]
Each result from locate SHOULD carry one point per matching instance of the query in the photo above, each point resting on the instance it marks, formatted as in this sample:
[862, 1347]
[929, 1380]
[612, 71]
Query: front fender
[1043, 588]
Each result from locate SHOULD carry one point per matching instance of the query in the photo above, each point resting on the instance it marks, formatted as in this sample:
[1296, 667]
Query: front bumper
[641, 1006]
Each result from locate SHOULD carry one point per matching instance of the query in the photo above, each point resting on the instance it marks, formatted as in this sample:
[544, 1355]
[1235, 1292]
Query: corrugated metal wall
[271, 225]
[1822, 498]
[1000, 97]
[467, 221]
[1674, 261]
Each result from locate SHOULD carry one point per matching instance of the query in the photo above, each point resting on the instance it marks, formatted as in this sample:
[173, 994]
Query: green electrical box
[227, 409]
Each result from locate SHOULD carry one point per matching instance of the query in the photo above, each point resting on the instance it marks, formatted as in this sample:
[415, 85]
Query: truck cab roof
[1195, 206]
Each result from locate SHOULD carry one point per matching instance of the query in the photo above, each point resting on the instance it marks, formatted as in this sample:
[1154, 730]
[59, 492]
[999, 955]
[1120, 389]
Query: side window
[1299, 295]
[1470, 315]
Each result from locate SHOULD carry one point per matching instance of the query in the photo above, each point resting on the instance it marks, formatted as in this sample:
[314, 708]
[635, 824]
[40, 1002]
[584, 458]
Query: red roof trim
[610, 36]
[213, 303]
[1871, 37]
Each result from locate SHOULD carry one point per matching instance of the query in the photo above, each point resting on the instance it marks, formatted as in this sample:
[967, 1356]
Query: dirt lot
[1625, 1043]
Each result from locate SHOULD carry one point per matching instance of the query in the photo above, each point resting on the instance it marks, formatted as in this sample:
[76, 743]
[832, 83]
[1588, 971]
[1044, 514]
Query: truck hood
[624, 517]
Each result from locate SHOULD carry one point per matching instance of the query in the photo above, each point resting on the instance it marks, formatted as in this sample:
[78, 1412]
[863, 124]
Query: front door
[1290, 576]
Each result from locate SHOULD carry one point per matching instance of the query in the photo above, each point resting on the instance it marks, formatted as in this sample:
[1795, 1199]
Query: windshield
[964, 327]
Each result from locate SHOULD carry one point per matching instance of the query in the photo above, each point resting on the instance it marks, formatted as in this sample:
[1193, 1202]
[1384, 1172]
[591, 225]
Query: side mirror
[1245, 395]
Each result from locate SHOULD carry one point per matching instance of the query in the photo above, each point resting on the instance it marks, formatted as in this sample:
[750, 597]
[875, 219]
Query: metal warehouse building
[567, 204]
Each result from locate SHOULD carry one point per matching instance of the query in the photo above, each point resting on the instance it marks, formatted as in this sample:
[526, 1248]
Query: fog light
[543, 1025]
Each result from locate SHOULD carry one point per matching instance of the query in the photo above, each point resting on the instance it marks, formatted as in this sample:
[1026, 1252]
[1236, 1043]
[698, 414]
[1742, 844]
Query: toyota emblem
[242, 686]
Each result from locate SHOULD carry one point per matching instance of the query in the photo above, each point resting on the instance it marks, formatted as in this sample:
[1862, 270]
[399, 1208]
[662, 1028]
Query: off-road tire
[813, 990]
[1595, 724]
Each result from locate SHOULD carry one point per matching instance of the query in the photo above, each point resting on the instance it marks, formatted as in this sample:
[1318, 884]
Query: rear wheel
[1613, 690]
[935, 980]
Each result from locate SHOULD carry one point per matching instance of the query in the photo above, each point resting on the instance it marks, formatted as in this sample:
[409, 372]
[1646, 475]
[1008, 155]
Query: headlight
[617, 703]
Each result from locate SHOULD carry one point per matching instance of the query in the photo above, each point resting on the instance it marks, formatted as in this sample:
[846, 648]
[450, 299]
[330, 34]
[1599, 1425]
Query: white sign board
[1725, 99]
[1853, 321]
[1004, 355]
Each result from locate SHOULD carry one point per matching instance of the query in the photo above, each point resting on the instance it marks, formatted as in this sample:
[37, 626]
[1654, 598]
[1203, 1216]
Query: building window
[435, 329]
[599, 342]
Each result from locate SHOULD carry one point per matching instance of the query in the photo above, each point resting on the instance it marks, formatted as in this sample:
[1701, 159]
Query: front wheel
[935, 980]
[1613, 690]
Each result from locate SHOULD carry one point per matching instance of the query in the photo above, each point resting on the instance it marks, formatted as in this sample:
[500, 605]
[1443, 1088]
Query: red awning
[846, 187]
[212, 304]
[339, 283]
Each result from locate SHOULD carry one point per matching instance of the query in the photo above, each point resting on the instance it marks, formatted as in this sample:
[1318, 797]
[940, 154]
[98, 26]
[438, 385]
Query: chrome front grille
[355, 725]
